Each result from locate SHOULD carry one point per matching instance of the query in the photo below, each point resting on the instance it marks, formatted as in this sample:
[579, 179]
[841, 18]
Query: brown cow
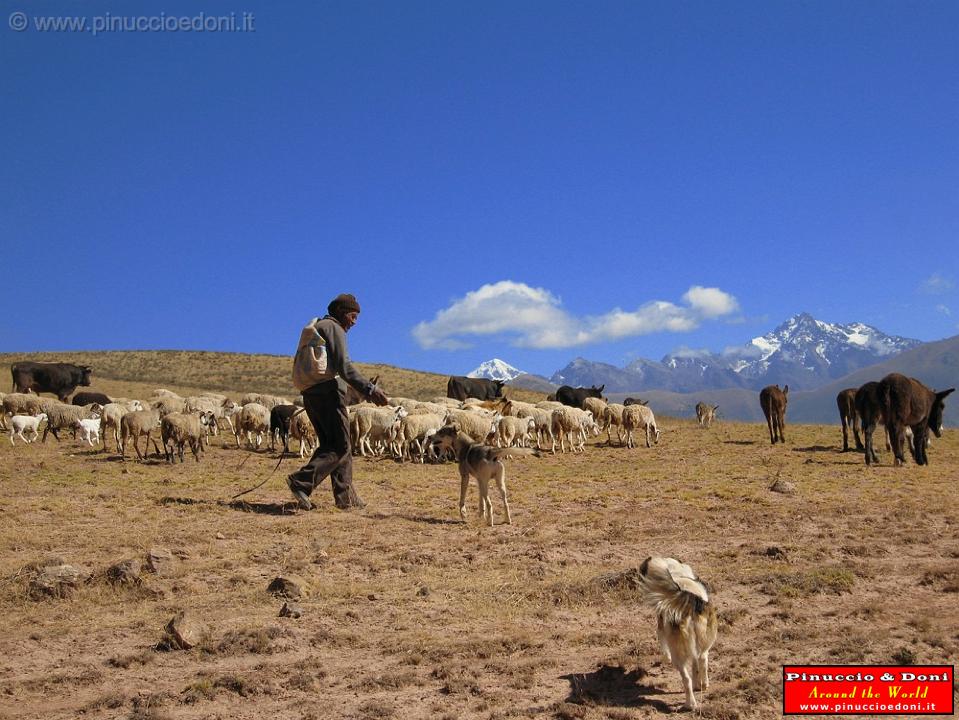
[846, 400]
[906, 402]
[773, 402]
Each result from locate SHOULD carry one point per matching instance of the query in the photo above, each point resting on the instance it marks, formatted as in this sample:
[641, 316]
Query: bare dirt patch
[409, 613]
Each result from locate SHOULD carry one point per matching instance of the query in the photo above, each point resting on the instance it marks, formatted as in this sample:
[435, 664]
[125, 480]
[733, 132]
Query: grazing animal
[870, 415]
[25, 423]
[179, 430]
[848, 417]
[483, 462]
[773, 402]
[302, 429]
[907, 403]
[686, 622]
[460, 388]
[706, 413]
[637, 417]
[634, 401]
[574, 397]
[61, 379]
[135, 424]
[280, 425]
[85, 398]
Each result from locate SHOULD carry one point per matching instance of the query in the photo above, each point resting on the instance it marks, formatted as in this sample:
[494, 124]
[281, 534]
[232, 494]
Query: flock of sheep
[403, 430]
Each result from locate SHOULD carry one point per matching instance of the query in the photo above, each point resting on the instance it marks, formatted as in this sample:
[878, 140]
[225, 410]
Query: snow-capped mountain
[803, 352]
[496, 369]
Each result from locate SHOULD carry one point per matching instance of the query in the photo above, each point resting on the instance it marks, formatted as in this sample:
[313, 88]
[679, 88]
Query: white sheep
[61, 416]
[514, 431]
[137, 423]
[569, 422]
[166, 404]
[302, 429]
[21, 404]
[29, 423]
[614, 416]
[254, 420]
[477, 426]
[267, 401]
[598, 407]
[415, 432]
[375, 424]
[636, 417]
[110, 419]
[179, 429]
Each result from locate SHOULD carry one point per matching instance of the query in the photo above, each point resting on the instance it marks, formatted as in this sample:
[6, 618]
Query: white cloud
[936, 284]
[535, 318]
[944, 309]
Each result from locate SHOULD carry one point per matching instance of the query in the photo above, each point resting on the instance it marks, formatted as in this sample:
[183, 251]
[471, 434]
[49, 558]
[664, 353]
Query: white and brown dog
[686, 619]
[483, 462]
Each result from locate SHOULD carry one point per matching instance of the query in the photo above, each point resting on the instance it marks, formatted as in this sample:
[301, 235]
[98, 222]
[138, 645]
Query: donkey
[846, 400]
[773, 402]
[706, 413]
[869, 410]
[906, 402]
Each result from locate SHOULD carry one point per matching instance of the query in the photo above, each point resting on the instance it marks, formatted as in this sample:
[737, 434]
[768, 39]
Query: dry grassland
[412, 613]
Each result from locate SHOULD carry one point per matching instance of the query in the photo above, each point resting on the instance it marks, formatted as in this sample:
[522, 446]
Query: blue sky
[532, 181]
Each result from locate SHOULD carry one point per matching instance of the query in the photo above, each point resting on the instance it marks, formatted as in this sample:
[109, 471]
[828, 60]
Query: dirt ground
[412, 613]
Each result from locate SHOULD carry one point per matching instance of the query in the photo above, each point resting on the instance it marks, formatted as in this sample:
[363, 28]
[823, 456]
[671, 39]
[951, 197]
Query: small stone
[159, 560]
[372, 597]
[183, 632]
[220, 536]
[125, 572]
[290, 610]
[287, 586]
[58, 581]
[783, 486]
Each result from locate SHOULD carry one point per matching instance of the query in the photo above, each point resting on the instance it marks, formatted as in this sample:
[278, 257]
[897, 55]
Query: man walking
[321, 357]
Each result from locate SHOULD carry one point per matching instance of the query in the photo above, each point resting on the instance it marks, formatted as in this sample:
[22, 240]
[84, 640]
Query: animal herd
[405, 429]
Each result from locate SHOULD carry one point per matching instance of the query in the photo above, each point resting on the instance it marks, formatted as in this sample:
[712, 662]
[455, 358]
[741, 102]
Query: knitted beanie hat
[343, 303]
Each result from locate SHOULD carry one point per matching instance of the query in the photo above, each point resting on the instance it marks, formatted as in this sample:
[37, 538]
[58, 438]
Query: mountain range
[816, 359]
[803, 352]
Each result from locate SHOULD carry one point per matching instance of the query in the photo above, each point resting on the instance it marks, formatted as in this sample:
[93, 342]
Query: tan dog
[483, 462]
[686, 619]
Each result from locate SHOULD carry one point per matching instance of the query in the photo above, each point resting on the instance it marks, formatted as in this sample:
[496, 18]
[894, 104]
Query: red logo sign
[868, 690]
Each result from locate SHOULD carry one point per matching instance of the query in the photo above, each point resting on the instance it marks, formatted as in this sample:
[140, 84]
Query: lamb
[254, 420]
[110, 419]
[479, 427]
[89, 429]
[416, 431]
[61, 416]
[29, 423]
[302, 429]
[569, 420]
[377, 424]
[543, 424]
[178, 429]
[135, 424]
[639, 416]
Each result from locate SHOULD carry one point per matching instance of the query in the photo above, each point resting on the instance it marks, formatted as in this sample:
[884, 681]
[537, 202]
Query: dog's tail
[508, 452]
[672, 588]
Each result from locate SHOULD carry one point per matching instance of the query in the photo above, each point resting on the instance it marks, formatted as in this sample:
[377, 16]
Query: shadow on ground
[613, 686]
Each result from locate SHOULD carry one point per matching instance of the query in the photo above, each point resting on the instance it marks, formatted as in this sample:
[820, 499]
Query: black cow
[574, 396]
[61, 379]
[460, 388]
[85, 398]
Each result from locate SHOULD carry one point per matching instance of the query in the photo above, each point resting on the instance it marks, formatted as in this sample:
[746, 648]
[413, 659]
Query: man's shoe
[302, 499]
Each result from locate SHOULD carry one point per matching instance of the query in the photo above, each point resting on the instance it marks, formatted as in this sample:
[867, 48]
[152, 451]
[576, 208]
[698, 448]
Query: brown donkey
[846, 400]
[906, 402]
[773, 402]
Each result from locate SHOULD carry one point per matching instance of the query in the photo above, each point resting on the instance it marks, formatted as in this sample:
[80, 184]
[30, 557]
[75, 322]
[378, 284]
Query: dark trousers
[326, 408]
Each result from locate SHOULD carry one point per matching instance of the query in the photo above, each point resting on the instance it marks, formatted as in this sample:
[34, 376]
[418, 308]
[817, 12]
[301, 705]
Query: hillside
[136, 373]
